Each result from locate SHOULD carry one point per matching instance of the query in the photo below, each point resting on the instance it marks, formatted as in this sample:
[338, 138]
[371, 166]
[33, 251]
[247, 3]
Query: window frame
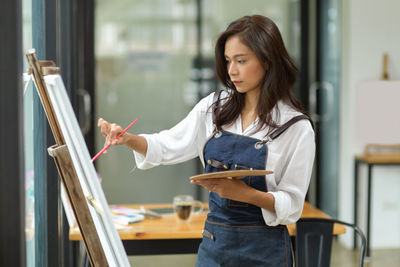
[12, 181]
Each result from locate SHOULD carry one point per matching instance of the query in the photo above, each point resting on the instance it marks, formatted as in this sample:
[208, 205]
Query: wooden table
[370, 160]
[167, 236]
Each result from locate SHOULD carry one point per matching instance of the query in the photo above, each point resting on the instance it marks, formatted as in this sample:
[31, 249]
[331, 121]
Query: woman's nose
[232, 69]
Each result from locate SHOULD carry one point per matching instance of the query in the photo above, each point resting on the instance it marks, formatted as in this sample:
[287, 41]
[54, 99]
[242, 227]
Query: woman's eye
[241, 61]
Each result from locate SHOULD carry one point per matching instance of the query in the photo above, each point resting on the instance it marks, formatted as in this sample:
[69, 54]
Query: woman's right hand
[110, 131]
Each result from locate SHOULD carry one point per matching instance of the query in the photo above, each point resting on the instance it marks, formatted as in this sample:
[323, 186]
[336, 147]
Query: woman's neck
[249, 111]
[251, 101]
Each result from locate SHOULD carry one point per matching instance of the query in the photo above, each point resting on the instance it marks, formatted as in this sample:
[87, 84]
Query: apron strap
[285, 126]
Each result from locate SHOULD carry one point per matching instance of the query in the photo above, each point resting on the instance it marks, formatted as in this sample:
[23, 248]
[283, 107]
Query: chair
[313, 241]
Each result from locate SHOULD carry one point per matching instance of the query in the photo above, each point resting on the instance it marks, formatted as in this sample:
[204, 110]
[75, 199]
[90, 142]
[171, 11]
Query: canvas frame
[69, 152]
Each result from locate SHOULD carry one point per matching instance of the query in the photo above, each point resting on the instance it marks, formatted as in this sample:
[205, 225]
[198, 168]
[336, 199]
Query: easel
[65, 167]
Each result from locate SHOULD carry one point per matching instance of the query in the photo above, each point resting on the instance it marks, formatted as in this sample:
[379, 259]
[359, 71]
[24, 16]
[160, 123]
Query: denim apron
[235, 233]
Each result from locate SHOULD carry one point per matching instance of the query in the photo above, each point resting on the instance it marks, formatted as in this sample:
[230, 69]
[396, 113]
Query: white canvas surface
[109, 238]
[378, 112]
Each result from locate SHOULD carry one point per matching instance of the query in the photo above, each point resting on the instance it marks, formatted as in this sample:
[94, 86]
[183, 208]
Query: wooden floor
[341, 257]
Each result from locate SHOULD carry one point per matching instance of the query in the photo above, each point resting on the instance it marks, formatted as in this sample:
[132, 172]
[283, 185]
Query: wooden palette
[237, 174]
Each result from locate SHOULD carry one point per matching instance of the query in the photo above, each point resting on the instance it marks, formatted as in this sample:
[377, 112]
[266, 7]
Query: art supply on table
[125, 216]
[127, 219]
[149, 213]
[121, 210]
[118, 136]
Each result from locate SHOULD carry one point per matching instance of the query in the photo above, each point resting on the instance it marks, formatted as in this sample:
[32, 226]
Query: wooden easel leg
[78, 201]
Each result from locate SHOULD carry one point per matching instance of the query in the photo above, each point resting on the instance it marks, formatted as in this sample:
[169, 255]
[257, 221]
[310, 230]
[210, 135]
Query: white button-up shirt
[290, 156]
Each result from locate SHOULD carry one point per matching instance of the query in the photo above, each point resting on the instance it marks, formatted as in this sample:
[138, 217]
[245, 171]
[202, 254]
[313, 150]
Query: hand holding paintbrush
[116, 136]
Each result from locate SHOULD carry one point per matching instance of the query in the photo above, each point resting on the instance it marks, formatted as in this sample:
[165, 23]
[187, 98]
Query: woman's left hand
[233, 189]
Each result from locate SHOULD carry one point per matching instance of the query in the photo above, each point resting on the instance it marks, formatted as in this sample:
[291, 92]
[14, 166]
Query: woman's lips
[236, 82]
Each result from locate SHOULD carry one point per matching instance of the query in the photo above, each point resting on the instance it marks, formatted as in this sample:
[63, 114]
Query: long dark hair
[262, 36]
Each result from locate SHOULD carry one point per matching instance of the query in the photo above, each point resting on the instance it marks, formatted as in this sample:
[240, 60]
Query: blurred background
[154, 62]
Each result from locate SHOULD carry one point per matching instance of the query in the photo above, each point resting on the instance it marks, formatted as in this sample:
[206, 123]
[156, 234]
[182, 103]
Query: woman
[256, 123]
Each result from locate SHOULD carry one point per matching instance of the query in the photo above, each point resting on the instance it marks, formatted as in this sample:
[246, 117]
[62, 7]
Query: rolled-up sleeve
[295, 174]
[177, 144]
